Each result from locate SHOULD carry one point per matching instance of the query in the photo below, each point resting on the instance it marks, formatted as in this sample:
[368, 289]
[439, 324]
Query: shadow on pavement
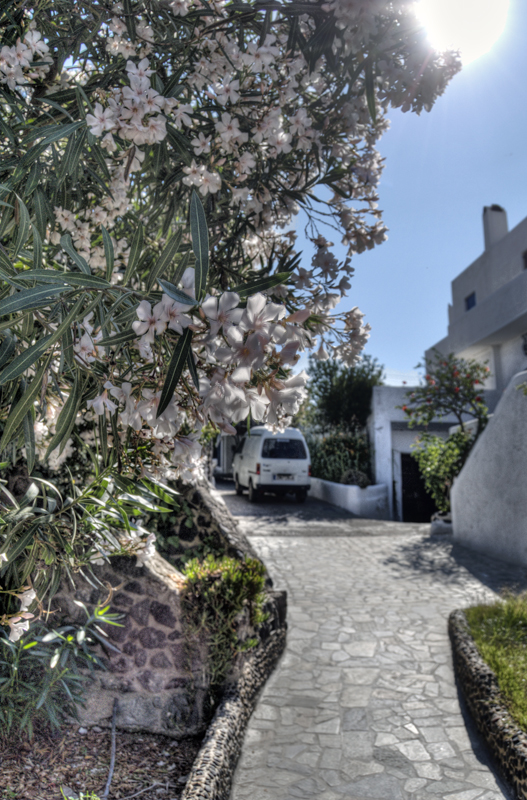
[440, 554]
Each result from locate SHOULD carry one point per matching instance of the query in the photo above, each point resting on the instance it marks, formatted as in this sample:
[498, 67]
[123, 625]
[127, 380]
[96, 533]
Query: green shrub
[40, 675]
[337, 454]
[354, 477]
[215, 592]
[440, 461]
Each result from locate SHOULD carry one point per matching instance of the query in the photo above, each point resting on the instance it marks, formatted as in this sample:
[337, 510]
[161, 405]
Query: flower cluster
[26, 61]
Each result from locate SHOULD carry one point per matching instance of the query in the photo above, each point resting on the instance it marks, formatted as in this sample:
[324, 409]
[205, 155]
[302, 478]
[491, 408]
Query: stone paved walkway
[363, 704]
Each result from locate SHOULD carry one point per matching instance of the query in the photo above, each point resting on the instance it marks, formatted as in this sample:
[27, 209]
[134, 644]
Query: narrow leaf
[177, 294]
[29, 298]
[175, 368]
[66, 418]
[17, 414]
[108, 252]
[180, 269]
[192, 369]
[71, 278]
[41, 212]
[29, 356]
[165, 259]
[67, 245]
[261, 284]
[23, 227]
[29, 440]
[7, 348]
[118, 338]
[136, 249]
[200, 243]
[37, 247]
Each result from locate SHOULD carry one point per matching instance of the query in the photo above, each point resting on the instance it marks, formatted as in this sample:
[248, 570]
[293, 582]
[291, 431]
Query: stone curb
[213, 770]
[480, 689]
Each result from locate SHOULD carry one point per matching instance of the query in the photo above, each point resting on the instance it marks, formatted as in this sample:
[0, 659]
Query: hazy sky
[441, 169]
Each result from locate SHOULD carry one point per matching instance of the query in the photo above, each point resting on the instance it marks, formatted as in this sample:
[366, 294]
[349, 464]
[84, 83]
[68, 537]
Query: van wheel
[301, 495]
[254, 494]
[238, 486]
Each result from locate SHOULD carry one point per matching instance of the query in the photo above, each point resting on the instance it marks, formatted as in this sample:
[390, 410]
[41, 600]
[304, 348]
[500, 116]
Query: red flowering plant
[452, 386]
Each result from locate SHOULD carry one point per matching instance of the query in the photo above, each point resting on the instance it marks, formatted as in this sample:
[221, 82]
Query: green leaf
[29, 439]
[261, 284]
[103, 437]
[192, 369]
[175, 368]
[37, 247]
[129, 18]
[108, 252]
[40, 207]
[23, 227]
[25, 360]
[29, 298]
[177, 294]
[66, 418]
[28, 357]
[17, 414]
[67, 245]
[180, 269]
[118, 338]
[7, 348]
[200, 243]
[135, 253]
[70, 278]
[20, 546]
[165, 259]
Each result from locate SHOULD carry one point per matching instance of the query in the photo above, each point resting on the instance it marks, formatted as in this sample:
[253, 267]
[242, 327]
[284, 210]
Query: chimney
[495, 225]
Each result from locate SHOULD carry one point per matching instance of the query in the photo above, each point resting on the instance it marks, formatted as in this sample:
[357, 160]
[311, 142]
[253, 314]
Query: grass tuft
[500, 633]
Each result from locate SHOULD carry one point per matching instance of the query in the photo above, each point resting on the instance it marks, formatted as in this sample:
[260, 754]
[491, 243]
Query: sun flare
[470, 26]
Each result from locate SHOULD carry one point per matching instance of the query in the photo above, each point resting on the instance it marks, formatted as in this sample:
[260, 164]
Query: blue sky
[441, 169]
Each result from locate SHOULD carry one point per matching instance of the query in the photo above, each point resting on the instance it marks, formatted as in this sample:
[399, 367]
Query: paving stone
[363, 704]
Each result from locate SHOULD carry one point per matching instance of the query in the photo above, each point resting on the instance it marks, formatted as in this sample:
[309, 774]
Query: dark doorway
[418, 506]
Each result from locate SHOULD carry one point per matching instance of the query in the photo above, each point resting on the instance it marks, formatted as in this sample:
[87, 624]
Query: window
[524, 256]
[283, 448]
[470, 301]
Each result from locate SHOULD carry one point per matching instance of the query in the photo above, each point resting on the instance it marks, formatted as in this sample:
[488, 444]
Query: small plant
[82, 796]
[40, 675]
[500, 633]
[354, 477]
[216, 591]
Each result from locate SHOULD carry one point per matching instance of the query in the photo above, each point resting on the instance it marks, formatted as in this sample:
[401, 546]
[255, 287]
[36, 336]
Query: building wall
[390, 436]
[489, 501]
[496, 267]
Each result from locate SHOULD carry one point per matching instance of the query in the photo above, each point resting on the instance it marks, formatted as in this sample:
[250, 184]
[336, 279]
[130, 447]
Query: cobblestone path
[363, 705]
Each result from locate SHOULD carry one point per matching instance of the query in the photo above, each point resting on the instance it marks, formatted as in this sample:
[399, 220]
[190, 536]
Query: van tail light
[309, 470]
[257, 469]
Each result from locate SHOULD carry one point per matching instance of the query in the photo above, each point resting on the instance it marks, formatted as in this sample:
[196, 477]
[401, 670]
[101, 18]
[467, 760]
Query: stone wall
[156, 669]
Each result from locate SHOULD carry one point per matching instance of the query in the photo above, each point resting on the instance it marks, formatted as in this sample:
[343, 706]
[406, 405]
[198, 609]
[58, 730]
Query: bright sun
[471, 26]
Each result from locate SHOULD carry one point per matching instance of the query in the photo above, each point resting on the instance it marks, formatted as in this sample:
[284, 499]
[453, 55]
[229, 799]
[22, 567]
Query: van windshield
[283, 448]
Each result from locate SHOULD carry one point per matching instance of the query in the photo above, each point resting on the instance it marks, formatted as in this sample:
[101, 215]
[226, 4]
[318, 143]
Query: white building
[487, 322]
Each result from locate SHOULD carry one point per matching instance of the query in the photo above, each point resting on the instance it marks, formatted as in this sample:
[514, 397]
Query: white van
[272, 462]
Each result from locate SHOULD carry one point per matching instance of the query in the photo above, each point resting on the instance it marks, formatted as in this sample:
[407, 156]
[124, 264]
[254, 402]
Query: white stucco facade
[489, 501]
[487, 321]
[494, 328]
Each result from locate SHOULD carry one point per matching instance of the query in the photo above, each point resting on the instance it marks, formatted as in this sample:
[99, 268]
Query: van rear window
[283, 448]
